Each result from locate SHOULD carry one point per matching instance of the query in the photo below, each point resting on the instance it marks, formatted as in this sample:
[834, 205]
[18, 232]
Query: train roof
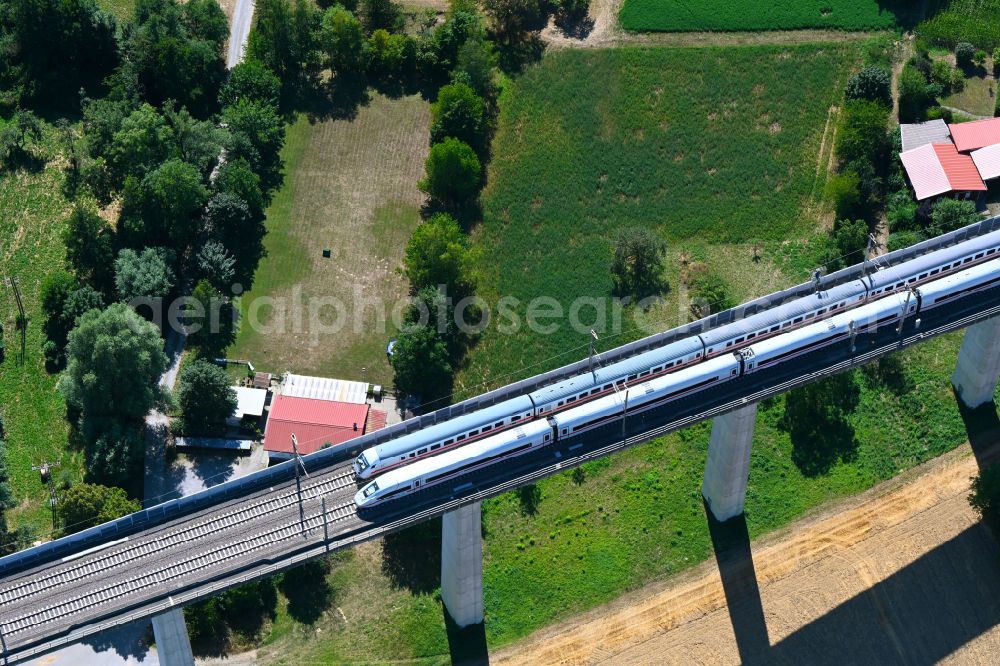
[931, 260]
[971, 275]
[454, 426]
[783, 312]
[623, 368]
[461, 454]
[591, 409]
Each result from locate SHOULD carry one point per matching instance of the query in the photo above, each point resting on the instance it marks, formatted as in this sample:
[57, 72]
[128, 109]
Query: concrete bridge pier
[978, 367]
[462, 564]
[172, 644]
[728, 464]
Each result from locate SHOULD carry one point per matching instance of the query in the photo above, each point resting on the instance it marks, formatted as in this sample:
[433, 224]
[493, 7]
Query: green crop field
[953, 21]
[713, 148]
[351, 187]
[726, 15]
[33, 411]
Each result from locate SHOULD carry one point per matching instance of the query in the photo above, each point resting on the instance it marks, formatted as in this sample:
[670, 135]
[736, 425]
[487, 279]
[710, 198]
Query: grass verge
[31, 248]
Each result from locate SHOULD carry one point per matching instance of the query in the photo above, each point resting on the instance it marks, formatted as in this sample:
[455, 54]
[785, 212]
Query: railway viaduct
[149, 564]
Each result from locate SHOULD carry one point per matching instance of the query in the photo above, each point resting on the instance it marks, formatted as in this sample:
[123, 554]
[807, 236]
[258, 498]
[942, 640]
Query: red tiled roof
[976, 134]
[939, 168]
[376, 420]
[313, 422]
[960, 169]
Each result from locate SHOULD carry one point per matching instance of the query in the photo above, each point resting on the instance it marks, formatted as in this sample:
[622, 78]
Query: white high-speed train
[785, 347]
[673, 357]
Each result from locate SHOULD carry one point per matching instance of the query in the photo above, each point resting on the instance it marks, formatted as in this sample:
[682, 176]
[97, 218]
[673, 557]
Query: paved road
[258, 535]
[239, 32]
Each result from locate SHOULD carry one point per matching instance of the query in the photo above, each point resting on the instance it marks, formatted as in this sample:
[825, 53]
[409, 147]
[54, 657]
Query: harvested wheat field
[903, 574]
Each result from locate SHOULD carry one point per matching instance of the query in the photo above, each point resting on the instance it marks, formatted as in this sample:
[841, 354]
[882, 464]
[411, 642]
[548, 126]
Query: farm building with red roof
[313, 422]
[976, 134]
[935, 169]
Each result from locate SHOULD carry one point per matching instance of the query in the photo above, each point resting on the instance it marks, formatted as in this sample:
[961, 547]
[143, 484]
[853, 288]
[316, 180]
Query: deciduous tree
[205, 395]
[114, 361]
[251, 80]
[145, 275]
[951, 214]
[256, 135]
[421, 364]
[460, 113]
[342, 39]
[872, 83]
[88, 504]
[637, 264]
[89, 242]
[437, 254]
[453, 172]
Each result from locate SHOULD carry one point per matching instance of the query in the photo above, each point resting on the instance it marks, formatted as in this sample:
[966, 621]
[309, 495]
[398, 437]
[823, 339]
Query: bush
[943, 73]
[871, 83]
[964, 53]
[914, 96]
[903, 239]
[437, 254]
[939, 112]
[951, 214]
[957, 81]
[996, 61]
[637, 265]
[843, 190]
[980, 57]
[710, 294]
[985, 495]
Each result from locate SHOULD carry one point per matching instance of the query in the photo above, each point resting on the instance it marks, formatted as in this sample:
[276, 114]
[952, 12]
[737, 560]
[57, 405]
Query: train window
[967, 260]
[935, 271]
[570, 399]
[786, 324]
[564, 431]
[422, 451]
[448, 441]
[460, 438]
[487, 428]
[631, 377]
[922, 276]
[413, 455]
[515, 419]
[643, 374]
[661, 367]
[751, 336]
[498, 424]
[729, 344]
[979, 256]
[435, 447]
[797, 320]
[810, 315]
[733, 373]
[473, 433]
[912, 280]
[900, 285]
[821, 311]
[774, 328]
[739, 340]
[607, 387]
[991, 251]
[559, 404]
[548, 437]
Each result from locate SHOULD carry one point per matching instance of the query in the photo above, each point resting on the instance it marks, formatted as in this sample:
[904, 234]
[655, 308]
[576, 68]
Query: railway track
[175, 570]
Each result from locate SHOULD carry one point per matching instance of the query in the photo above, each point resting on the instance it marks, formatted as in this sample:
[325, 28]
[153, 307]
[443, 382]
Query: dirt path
[606, 32]
[903, 573]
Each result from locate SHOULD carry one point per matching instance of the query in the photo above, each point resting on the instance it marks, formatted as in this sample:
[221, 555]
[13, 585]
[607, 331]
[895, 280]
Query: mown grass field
[584, 538]
[725, 15]
[350, 186]
[33, 411]
[715, 149]
[953, 21]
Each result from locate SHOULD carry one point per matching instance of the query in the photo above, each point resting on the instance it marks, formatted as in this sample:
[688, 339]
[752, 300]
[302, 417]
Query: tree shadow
[130, 641]
[308, 592]
[733, 556]
[575, 27]
[466, 645]
[820, 444]
[339, 99]
[411, 558]
[888, 372]
[529, 497]
[22, 160]
[516, 55]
